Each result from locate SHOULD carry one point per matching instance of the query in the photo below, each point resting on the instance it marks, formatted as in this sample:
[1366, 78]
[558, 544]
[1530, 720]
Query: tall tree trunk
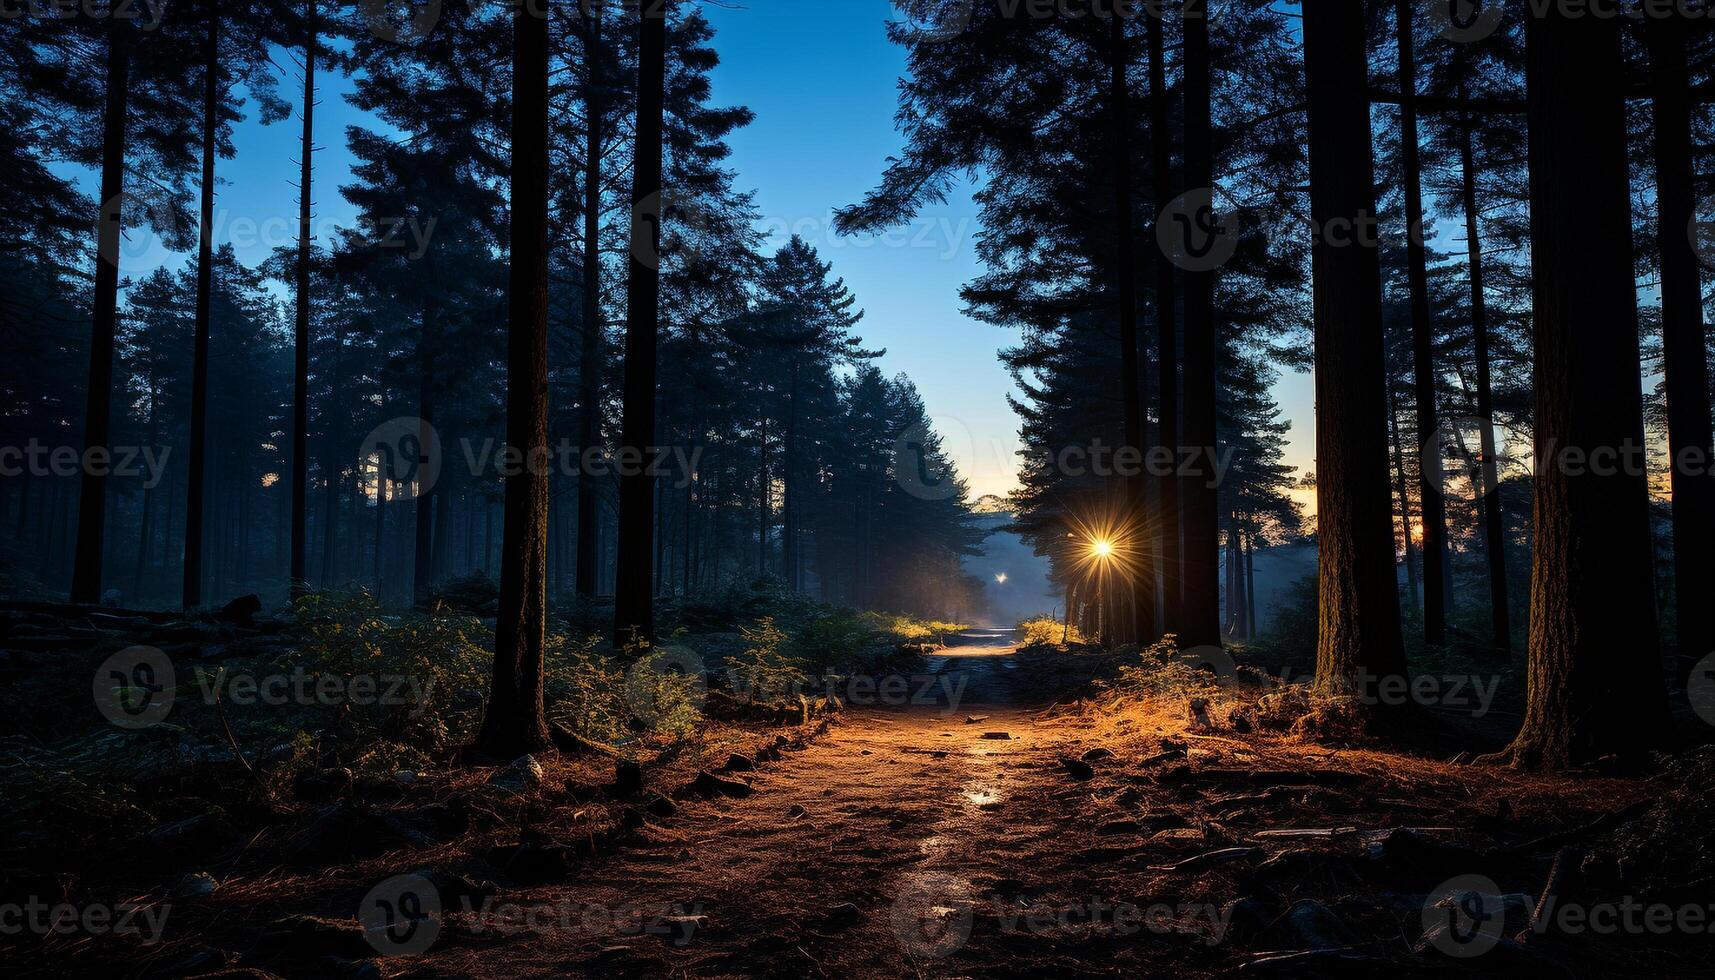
[1595, 668]
[331, 472]
[199, 449]
[441, 551]
[1687, 370]
[661, 525]
[789, 486]
[634, 608]
[764, 504]
[380, 529]
[1140, 583]
[147, 507]
[693, 429]
[97, 416]
[1230, 580]
[487, 536]
[301, 352]
[422, 568]
[1141, 573]
[1404, 499]
[589, 361]
[1241, 604]
[1429, 489]
[1250, 581]
[1166, 333]
[513, 723]
[1200, 623]
[1359, 642]
[1494, 521]
[21, 526]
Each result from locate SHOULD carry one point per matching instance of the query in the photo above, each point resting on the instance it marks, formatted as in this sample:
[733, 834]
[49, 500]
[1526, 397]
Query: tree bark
[1404, 501]
[205, 285]
[1595, 668]
[422, 566]
[764, 494]
[514, 723]
[1166, 331]
[301, 352]
[1200, 623]
[634, 608]
[1141, 576]
[589, 361]
[1494, 520]
[147, 508]
[1250, 582]
[1686, 367]
[789, 559]
[1433, 506]
[97, 417]
[1359, 642]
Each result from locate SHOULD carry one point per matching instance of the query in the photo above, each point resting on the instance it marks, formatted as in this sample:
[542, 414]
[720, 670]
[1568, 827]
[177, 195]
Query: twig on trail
[1209, 859]
[1213, 738]
[1565, 861]
[1307, 832]
[220, 712]
[813, 962]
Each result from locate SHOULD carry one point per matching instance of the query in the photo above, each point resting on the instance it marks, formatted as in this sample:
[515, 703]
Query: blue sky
[821, 78]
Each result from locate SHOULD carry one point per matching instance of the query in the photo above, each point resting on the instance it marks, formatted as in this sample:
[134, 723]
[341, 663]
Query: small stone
[796, 812]
[523, 775]
[241, 611]
[709, 784]
[998, 736]
[1077, 768]
[1096, 755]
[1197, 715]
[842, 915]
[739, 763]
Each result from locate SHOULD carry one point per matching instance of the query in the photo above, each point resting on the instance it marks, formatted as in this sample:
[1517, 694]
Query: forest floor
[1011, 818]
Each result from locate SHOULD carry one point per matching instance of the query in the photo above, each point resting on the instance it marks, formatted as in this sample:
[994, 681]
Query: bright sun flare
[1102, 547]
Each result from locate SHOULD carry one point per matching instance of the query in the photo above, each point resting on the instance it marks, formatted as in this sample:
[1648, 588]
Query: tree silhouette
[513, 723]
[1360, 643]
[634, 605]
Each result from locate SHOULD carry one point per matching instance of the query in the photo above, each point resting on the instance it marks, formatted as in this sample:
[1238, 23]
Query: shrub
[447, 655]
[1047, 631]
[764, 671]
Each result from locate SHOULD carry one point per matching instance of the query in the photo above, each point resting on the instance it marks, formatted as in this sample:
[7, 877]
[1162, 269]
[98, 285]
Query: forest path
[856, 856]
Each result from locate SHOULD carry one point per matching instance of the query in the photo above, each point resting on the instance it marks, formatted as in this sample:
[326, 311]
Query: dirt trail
[856, 856]
[1043, 838]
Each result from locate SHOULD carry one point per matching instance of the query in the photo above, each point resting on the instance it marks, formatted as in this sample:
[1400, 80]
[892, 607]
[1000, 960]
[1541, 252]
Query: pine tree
[1360, 643]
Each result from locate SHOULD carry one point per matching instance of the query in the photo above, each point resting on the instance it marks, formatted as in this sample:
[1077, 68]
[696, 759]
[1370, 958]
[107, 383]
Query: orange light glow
[1105, 545]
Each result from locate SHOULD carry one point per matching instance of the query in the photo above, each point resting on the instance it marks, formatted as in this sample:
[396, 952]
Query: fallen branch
[1210, 859]
[231, 740]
